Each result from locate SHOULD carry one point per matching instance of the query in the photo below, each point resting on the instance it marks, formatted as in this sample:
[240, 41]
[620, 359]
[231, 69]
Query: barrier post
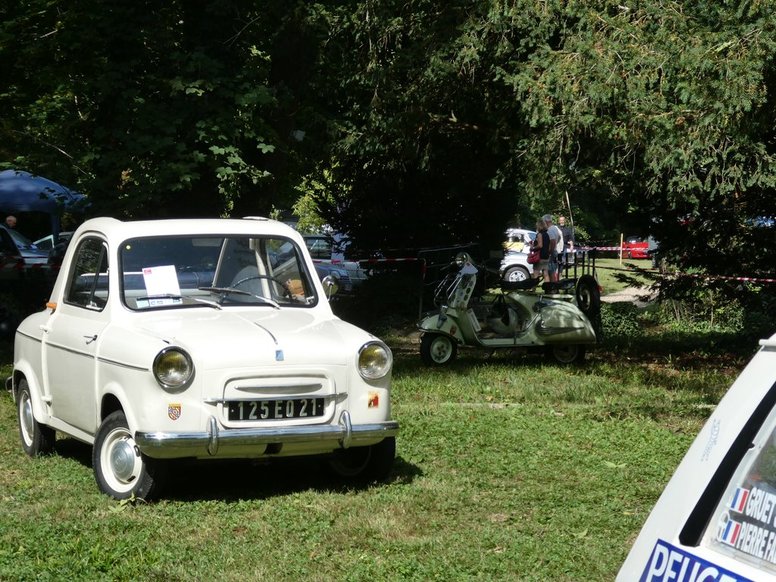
[622, 239]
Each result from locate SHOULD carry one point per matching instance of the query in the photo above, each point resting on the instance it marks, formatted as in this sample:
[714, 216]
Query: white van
[716, 518]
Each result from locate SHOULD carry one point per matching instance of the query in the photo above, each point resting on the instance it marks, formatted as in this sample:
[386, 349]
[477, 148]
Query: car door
[72, 335]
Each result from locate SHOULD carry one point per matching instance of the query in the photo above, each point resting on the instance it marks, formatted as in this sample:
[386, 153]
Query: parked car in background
[518, 239]
[514, 265]
[47, 242]
[25, 279]
[203, 339]
[329, 260]
[319, 245]
[343, 278]
[14, 244]
[635, 247]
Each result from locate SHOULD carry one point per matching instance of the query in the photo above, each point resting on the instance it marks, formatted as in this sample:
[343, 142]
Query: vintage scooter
[561, 318]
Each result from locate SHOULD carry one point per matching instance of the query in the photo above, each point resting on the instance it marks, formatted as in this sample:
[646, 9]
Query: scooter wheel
[567, 354]
[437, 349]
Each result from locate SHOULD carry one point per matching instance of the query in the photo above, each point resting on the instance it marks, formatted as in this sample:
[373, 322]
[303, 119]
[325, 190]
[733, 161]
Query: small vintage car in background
[635, 247]
[204, 339]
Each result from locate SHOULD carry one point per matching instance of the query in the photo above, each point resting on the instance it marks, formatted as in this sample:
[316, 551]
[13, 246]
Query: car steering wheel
[286, 290]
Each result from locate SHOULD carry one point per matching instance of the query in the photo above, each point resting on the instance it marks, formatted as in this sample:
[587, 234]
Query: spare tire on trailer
[588, 298]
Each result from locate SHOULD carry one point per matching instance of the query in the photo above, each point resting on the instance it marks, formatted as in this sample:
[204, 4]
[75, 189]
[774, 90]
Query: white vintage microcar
[199, 339]
[716, 518]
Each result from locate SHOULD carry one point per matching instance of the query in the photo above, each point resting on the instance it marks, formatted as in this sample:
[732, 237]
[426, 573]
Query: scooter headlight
[173, 369]
[374, 360]
[462, 258]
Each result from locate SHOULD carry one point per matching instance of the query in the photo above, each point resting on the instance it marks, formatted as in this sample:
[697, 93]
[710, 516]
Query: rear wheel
[120, 469]
[365, 464]
[37, 439]
[437, 349]
[567, 354]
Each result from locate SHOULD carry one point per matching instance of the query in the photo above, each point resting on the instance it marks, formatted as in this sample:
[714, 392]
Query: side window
[88, 285]
[744, 522]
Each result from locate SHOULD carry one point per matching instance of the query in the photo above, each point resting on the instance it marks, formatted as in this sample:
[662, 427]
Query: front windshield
[215, 271]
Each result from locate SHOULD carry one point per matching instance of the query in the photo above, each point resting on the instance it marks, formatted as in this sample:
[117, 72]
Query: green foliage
[409, 124]
[150, 110]
[653, 117]
[620, 322]
[692, 305]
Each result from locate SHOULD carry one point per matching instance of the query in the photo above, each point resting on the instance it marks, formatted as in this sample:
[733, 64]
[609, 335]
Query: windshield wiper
[231, 290]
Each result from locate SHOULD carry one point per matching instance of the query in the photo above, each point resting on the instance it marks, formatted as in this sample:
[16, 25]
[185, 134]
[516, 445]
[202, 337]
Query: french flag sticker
[729, 533]
[738, 500]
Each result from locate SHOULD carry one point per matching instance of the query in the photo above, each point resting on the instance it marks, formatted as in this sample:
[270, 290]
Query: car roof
[117, 229]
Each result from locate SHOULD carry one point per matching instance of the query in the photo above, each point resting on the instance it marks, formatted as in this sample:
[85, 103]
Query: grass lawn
[508, 468]
[614, 275]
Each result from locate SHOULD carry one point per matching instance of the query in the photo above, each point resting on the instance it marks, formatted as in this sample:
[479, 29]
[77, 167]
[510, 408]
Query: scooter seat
[523, 285]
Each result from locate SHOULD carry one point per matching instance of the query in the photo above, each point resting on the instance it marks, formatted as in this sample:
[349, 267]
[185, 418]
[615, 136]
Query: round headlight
[173, 368]
[374, 361]
[462, 258]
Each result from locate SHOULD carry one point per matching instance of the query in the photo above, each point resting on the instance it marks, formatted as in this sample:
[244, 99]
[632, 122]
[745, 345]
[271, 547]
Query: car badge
[174, 411]
[278, 355]
[374, 400]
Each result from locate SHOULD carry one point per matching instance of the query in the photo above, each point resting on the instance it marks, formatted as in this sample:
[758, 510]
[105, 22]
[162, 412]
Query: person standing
[556, 246]
[568, 240]
[542, 242]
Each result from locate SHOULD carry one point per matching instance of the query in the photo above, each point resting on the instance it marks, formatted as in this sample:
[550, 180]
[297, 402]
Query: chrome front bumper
[172, 445]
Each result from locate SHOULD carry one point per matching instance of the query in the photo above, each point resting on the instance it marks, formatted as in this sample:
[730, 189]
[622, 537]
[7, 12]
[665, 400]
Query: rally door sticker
[671, 564]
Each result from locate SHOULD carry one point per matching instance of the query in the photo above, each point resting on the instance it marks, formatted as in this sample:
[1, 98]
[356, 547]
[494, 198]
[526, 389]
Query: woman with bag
[541, 247]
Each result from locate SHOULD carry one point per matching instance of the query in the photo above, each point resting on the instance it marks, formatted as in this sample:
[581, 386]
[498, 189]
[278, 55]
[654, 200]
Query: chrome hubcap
[26, 418]
[122, 459]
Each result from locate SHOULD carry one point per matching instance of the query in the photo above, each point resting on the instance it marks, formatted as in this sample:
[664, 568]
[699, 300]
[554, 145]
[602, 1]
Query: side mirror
[330, 285]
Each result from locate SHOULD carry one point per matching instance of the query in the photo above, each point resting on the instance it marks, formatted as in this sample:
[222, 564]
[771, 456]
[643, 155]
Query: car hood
[242, 338]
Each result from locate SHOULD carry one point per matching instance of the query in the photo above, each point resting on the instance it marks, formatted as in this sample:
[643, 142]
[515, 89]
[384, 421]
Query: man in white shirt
[556, 246]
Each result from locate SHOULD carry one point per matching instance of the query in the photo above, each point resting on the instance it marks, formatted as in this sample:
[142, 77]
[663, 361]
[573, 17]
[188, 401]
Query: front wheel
[567, 354]
[364, 464]
[437, 349]
[120, 469]
[37, 439]
[515, 274]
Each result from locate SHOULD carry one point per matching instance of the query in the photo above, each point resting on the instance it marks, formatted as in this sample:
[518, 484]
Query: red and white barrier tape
[726, 278]
[617, 249]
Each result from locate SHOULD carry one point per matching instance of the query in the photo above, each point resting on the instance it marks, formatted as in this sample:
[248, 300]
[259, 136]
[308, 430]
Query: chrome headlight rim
[462, 258]
[163, 380]
[375, 360]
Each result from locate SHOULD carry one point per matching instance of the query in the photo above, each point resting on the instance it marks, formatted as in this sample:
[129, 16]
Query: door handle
[90, 338]
[44, 328]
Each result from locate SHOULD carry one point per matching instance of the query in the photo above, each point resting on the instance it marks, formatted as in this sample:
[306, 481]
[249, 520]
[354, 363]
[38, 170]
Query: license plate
[275, 409]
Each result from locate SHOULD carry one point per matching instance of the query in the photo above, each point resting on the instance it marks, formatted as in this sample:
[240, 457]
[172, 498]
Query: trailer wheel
[588, 296]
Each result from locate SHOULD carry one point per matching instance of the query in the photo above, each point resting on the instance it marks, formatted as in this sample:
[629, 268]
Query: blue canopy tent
[25, 192]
